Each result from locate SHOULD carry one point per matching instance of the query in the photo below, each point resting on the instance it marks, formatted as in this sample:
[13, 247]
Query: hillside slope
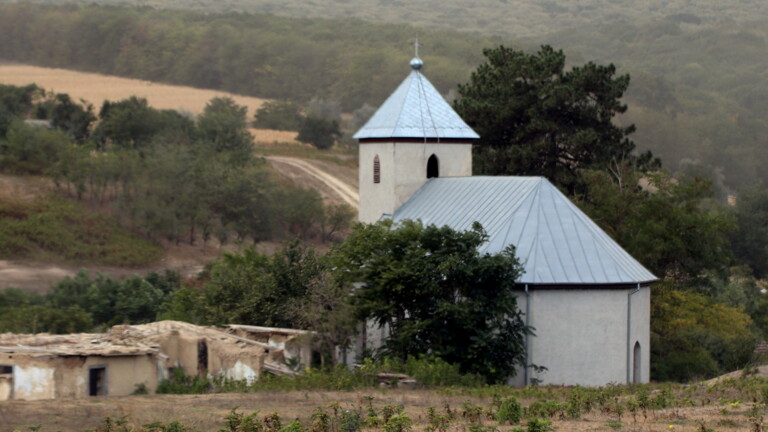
[505, 18]
[336, 183]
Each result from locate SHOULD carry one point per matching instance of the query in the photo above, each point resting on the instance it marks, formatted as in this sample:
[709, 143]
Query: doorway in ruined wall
[202, 358]
[6, 382]
[97, 381]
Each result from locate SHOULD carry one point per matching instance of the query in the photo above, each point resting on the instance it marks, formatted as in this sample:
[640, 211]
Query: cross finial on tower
[416, 62]
[416, 46]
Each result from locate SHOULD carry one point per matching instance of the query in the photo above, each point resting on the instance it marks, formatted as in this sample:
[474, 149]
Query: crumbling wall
[235, 361]
[33, 379]
[124, 373]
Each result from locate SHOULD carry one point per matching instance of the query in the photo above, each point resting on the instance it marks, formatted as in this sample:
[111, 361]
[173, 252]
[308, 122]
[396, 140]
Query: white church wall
[581, 335]
[403, 171]
[641, 333]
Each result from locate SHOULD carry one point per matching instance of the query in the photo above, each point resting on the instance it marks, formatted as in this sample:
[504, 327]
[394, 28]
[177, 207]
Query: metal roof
[416, 110]
[556, 243]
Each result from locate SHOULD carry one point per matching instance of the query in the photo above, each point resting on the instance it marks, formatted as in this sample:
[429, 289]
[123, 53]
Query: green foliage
[56, 227]
[180, 383]
[750, 240]
[223, 126]
[320, 132]
[535, 117]
[398, 423]
[15, 103]
[671, 225]
[694, 337]
[537, 425]
[241, 53]
[435, 372]
[67, 115]
[251, 288]
[436, 294]
[30, 149]
[80, 303]
[44, 319]
[325, 308]
[279, 115]
[509, 411]
[173, 426]
[129, 124]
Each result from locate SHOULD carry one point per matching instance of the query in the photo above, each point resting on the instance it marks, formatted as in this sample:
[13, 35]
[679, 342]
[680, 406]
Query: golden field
[96, 88]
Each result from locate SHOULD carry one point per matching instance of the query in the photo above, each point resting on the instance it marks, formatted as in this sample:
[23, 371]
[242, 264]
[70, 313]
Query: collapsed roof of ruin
[143, 339]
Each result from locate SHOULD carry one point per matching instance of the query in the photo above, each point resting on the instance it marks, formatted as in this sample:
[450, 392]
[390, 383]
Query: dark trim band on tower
[417, 140]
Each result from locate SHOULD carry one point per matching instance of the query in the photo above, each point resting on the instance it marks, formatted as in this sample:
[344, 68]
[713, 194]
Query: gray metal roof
[416, 110]
[556, 243]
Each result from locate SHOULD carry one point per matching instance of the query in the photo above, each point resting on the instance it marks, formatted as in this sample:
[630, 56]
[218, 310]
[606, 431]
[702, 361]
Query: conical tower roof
[416, 110]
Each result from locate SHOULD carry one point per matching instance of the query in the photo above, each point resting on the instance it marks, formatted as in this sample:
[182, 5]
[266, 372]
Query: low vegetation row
[730, 404]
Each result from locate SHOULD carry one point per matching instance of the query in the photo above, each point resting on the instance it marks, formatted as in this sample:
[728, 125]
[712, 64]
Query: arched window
[376, 170]
[433, 170]
[638, 365]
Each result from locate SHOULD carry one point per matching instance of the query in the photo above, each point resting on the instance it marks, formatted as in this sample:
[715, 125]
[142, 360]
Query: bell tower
[414, 136]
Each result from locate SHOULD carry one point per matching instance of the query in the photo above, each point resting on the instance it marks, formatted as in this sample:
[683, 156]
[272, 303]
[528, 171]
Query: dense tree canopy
[671, 226]
[750, 240]
[694, 337]
[436, 294]
[535, 117]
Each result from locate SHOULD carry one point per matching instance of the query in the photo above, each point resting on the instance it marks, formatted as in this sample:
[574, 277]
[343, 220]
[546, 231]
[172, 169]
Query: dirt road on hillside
[187, 259]
[343, 190]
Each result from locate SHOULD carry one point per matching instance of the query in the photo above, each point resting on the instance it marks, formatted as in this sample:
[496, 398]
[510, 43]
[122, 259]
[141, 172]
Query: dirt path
[342, 190]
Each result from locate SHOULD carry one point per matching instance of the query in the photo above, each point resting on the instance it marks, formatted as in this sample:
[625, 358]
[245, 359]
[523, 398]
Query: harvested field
[96, 88]
[206, 412]
[270, 136]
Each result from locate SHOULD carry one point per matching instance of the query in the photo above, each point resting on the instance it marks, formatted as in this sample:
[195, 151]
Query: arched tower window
[433, 170]
[638, 365]
[376, 170]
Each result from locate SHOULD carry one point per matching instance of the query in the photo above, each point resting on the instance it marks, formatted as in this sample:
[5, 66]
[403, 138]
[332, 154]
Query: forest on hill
[697, 90]
[504, 18]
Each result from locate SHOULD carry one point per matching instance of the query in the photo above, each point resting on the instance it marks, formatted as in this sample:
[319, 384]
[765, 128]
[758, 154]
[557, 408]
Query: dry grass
[206, 412]
[96, 88]
[271, 136]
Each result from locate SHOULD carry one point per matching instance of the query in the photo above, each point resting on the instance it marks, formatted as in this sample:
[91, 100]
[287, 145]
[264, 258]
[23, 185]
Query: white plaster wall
[403, 171]
[581, 335]
[240, 372]
[641, 331]
[33, 382]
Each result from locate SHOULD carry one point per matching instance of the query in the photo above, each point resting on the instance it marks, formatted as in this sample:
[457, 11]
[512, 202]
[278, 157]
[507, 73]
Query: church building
[586, 298]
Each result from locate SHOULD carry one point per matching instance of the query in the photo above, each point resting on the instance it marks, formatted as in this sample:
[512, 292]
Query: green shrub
[294, 426]
[536, 425]
[180, 383]
[435, 372]
[510, 411]
[398, 423]
[173, 426]
[350, 420]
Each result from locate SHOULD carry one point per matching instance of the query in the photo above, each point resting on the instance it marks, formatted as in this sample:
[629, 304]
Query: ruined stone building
[131, 357]
[586, 297]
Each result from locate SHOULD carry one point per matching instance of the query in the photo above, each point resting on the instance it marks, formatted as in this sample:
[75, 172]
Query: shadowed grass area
[53, 228]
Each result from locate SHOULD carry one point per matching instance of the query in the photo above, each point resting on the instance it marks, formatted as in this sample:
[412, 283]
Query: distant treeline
[699, 91]
[347, 60]
[697, 94]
